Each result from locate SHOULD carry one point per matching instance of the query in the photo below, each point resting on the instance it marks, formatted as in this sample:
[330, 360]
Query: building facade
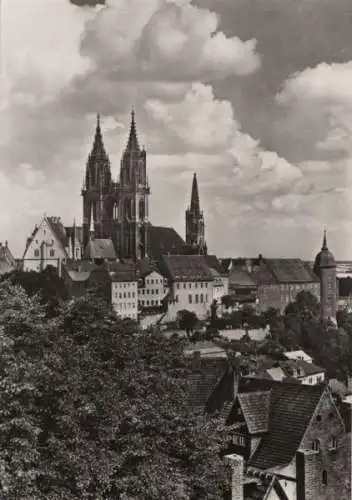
[119, 209]
[325, 269]
[152, 290]
[195, 226]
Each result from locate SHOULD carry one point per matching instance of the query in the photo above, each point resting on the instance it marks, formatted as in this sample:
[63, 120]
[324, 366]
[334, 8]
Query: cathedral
[119, 211]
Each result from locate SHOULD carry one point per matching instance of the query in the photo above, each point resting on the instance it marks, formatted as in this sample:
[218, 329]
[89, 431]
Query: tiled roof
[287, 271]
[237, 277]
[291, 409]
[122, 272]
[308, 368]
[163, 241]
[187, 268]
[147, 266]
[214, 263]
[203, 382]
[58, 230]
[100, 248]
[255, 407]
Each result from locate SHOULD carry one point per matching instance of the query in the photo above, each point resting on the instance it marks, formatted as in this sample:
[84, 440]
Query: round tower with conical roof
[325, 269]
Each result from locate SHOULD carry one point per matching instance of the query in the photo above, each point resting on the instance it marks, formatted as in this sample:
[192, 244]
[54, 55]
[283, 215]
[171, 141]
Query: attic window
[318, 418]
[333, 444]
[316, 445]
[325, 478]
[331, 416]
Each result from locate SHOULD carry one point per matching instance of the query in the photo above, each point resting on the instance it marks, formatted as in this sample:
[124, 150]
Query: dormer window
[316, 445]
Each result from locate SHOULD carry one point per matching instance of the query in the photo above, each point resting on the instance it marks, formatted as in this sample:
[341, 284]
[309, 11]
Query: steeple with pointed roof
[195, 226]
[98, 163]
[325, 269]
[132, 143]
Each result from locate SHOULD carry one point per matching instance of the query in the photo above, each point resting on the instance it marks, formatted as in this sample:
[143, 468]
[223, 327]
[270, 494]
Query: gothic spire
[195, 206]
[325, 245]
[98, 145]
[132, 144]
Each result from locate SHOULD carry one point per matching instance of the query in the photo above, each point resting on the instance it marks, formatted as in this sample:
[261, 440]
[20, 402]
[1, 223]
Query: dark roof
[291, 409]
[203, 382]
[59, 230]
[187, 268]
[100, 248]
[255, 407]
[122, 272]
[147, 266]
[238, 277]
[214, 263]
[163, 241]
[285, 271]
[307, 368]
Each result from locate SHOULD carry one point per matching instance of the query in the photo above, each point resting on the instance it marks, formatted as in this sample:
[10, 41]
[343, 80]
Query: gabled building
[191, 284]
[124, 290]
[220, 278]
[280, 280]
[51, 244]
[287, 441]
[153, 288]
[7, 261]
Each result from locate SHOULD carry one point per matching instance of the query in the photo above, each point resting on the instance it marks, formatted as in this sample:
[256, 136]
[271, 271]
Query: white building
[153, 289]
[51, 243]
[191, 285]
[220, 278]
[124, 291]
[301, 355]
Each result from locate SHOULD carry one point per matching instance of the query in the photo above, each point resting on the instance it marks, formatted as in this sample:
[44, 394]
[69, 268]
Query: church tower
[195, 226]
[133, 198]
[96, 190]
[325, 269]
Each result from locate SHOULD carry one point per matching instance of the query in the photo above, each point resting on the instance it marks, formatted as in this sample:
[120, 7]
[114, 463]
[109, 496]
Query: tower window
[325, 478]
[316, 445]
[116, 211]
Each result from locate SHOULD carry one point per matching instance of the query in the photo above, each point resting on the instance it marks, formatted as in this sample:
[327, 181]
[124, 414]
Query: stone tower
[325, 269]
[96, 190]
[133, 198]
[195, 226]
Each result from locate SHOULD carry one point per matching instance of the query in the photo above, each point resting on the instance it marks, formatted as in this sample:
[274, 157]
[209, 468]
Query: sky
[253, 95]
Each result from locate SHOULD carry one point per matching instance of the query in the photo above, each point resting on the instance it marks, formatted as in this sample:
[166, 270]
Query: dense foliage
[93, 409]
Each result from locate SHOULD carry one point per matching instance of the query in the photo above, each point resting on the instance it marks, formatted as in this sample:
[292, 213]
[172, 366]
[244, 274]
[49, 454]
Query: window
[239, 440]
[190, 285]
[152, 282]
[196, 298]
[176, 298]
[310, 380]
[129, 295]
[190, 299]
[331, 416]
[184, 285]
[325, 478]
[36, 252]
[177, 286]
[120, 295]
[333, 444]
[201, 298]
[318, 418]
[196, 285]
[316, 445]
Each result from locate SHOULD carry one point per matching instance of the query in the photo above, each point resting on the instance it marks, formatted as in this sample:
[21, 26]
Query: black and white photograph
[175, 249]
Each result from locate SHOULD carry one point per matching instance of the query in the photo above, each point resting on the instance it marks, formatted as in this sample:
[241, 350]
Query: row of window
[125, 295]
[332, 444]
[121, 284]
[37, 252]
[198, 298]
[155, 281]
[201, 285]
[127, 305]
[239, 440]
[152, 302]
[153, 291]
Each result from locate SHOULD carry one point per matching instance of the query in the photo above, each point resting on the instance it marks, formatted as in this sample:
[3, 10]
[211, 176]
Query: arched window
[141, 209]
[116, 211]
[127, 208]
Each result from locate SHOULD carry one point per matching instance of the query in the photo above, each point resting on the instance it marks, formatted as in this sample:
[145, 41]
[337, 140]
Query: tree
[227, 301]
[93, 410]
[187, 320]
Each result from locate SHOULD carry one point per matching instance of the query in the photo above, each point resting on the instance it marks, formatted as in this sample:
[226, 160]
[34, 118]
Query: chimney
[236, 464]
[309, 475]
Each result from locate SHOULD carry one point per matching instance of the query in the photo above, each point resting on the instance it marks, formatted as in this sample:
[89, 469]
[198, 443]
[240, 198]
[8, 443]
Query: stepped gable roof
[214, 263]
[164, 241]
[187, 268]
[291, 409]
[285, 271]
[100, 248]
